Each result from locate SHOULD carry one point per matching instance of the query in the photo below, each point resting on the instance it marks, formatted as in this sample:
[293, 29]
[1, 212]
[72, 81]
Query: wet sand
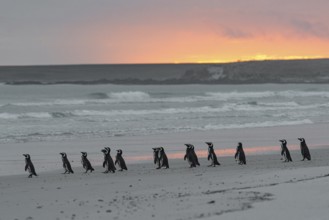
[265, 188]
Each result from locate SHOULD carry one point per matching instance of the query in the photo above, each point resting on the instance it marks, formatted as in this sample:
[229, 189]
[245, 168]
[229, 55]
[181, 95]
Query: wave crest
[130, 96]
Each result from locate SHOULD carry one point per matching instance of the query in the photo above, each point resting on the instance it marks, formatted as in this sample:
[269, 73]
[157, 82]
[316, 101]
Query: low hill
[274, 71]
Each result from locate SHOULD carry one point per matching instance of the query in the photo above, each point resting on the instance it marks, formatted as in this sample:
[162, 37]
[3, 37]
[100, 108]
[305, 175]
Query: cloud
[309, 28]
[236, 33]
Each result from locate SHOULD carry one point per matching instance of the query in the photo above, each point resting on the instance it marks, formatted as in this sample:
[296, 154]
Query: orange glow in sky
[171, 31]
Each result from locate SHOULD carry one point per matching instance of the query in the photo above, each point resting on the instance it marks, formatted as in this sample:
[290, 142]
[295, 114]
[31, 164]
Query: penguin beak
[300, 139]
[24, 155]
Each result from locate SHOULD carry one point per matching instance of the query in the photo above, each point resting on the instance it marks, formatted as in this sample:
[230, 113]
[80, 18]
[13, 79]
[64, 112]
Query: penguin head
[210, 145]
[188, 146]
[119, 151]
[155, 149]
[192, 147]
[283, 141]
[301, 140]
[104, 151]
[84, 154]
[161, 149]
[63, 154]
[107, 149]
[27, 156]
[239, 144]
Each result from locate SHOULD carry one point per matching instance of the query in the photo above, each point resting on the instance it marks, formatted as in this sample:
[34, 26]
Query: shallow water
[30, 113]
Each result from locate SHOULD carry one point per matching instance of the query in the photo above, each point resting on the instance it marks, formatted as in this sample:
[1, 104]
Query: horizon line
[169, 63]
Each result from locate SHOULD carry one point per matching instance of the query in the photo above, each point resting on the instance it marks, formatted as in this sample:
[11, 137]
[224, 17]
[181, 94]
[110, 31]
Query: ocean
[41, 113]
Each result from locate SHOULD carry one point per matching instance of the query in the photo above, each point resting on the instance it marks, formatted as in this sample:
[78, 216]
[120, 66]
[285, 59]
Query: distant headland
[249, 72]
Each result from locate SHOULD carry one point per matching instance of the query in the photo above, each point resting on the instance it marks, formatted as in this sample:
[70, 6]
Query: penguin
[66, 164]
[120, 161]
[156, 157]
[304, 149]
[240, 154]
[211, 155]
[194, 155]
[108, 161]
[85, 162]
[163, 158]
[284, 151]
[29, 166]
[189, 156]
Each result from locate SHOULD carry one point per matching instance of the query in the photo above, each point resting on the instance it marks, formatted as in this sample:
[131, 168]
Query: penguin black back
[189, 156]
[240, 155]
[120, 161]
[163, 158]
[86, 163]
[304, 149]
[66, 164]
[156, 157]
[212, 155]
[29, 166]
[284, 151]
[194, 155]
[108, 161]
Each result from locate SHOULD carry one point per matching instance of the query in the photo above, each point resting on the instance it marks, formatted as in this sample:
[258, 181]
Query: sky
[41, 32]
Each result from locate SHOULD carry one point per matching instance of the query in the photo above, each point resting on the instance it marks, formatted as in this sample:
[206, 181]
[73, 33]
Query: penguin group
[161, 159]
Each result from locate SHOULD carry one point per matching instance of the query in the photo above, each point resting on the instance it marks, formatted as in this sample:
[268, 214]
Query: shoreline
[138, 149]
[142, 192]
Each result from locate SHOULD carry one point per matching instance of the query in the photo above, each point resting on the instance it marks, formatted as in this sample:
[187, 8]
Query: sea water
[37, 113]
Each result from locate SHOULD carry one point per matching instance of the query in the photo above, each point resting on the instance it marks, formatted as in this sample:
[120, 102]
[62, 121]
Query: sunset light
[164, 32]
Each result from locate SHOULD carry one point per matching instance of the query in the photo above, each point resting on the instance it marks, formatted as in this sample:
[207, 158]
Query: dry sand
[266, 188]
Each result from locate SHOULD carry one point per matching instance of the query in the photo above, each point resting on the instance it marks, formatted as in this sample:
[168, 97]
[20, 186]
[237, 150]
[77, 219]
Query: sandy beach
[264, 188]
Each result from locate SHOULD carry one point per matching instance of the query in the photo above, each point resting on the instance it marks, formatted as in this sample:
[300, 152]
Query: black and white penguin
[284, 151]
[86, 163]
[163, 158]
[120, 161]
[189, 156]
[212, 155]
[29, 166]
[304, 149]
[240, 155]
[108, 161]
[194, 155]
[156, 157]
[66, 164]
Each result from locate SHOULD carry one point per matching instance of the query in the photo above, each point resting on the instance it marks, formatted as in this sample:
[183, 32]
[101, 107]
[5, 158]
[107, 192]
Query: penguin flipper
[26, 166]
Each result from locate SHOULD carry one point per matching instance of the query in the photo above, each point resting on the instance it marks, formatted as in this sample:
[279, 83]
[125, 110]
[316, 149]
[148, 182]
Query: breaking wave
[130, 96]
[228, 107]
[257, 124]
[144, 97]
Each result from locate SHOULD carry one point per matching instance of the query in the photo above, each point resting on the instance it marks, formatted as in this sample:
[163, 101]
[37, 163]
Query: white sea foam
[144, 97]
[256, 124]
[239, 95]
[6, 115]
[228, 107]
[130, 96]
